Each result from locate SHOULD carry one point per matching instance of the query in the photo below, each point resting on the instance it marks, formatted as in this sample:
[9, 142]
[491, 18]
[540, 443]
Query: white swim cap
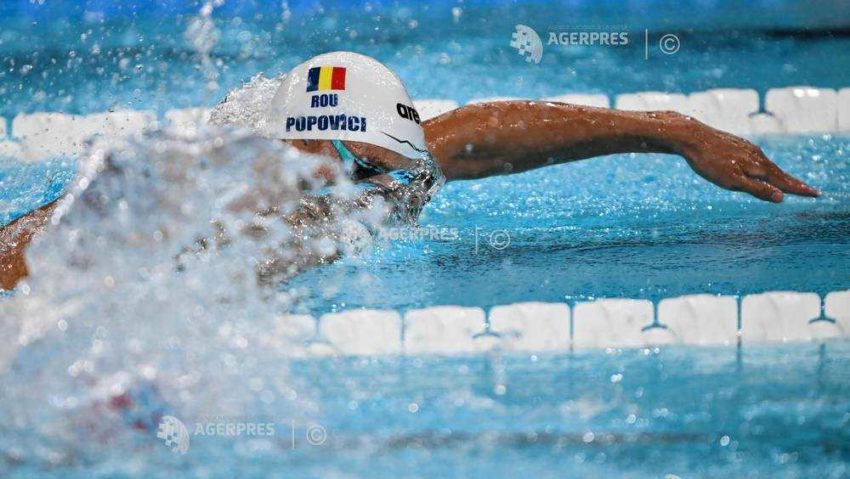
[347, 96]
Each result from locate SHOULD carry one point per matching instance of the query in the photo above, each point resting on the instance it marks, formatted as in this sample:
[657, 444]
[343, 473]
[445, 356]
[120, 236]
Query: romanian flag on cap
[326, 78]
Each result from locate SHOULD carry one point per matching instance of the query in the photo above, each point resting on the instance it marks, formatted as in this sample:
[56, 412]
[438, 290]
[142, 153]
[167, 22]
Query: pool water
[595, 414]
[90, 56]
[622, 226]
[674, 413]
[25, 186]
[635, 226]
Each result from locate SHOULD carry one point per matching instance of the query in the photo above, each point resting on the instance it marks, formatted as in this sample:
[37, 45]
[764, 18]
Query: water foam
[160, 267]
[247, 106]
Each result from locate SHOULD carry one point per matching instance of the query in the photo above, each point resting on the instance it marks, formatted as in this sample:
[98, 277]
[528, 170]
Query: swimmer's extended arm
[501, 138]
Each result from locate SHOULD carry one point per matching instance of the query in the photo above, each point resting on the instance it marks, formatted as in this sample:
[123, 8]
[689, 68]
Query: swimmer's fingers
[761, 168]
[760, 189]
[788, 183]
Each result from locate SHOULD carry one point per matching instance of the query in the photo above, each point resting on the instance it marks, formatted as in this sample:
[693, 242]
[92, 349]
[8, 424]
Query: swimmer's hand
[736, 164]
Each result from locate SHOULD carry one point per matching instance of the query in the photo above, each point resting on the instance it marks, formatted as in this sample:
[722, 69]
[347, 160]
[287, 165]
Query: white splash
[203, 35]
[161, 267]
[248, 106]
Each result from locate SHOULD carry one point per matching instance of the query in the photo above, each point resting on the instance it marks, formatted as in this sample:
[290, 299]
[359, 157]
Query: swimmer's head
[350, 97]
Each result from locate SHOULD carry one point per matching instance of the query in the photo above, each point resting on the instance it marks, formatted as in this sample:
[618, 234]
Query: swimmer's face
[375, 155]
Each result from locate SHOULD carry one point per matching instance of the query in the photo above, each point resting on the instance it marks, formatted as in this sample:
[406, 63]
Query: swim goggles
[426, 174]
[352, 162]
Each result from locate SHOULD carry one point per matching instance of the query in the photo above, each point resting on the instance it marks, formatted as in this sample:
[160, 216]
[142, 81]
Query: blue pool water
[623, 226]
[679, 412]
[80, 57]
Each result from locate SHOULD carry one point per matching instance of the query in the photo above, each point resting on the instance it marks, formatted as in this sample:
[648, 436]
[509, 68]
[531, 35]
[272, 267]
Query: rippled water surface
[622, 226]
[687, 413]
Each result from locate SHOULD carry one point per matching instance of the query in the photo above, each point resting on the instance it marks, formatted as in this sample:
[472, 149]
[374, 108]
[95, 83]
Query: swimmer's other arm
[14, 238]
[501, 138]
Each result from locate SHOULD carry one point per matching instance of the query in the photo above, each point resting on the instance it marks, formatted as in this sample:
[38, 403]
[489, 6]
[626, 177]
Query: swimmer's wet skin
[351, 107]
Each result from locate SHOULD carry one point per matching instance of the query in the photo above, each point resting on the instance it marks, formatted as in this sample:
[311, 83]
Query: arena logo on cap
[326, 78]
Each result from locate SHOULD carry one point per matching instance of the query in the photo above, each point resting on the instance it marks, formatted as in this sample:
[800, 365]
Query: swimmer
[353, 109]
